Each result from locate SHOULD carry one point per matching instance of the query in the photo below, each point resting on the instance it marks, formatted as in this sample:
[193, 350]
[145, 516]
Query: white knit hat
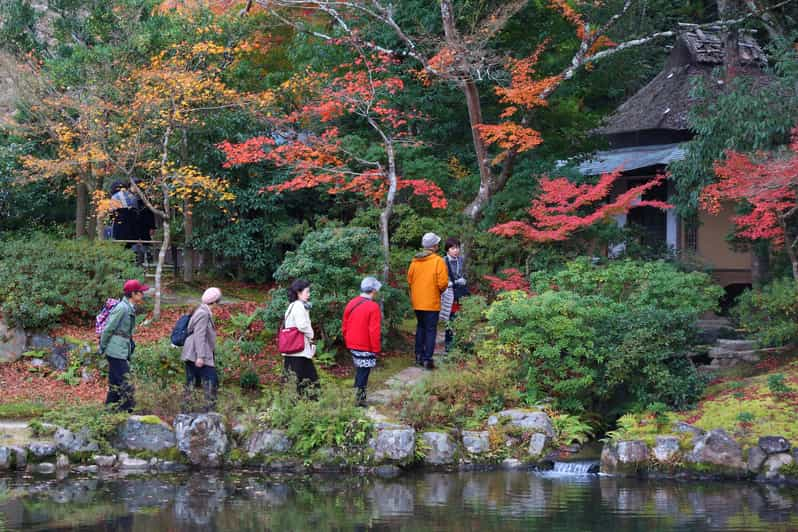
[211, 295]
[429, 240]
[370, 284]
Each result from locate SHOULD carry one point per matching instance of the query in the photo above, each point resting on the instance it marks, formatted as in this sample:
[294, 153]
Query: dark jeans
[426, 329]
[204, 378]
[301, 368]
[449, 333]
[120, 390]
[362, 378]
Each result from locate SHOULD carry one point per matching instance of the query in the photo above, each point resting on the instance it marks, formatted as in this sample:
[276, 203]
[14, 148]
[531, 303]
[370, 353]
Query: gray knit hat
[429, 240]
[370, 284]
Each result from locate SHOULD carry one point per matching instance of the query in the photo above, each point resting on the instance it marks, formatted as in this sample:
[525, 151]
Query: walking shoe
[429, 365]
[419, 362]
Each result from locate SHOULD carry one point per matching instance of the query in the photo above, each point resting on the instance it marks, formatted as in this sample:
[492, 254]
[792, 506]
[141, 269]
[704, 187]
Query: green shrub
[101, 421]
[602, 338]
[461, 395]
[158, 363]
[335, 260]
[770, 314]
[636, 284]
[332, 420]
[43, 278]
[469, 326]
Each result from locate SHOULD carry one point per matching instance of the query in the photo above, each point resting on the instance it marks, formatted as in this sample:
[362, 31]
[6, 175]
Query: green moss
[789, 470]
[22, 409]
[151, 420]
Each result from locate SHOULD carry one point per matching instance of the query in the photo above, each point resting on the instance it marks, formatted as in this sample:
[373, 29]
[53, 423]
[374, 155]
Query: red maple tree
[364, 89]
[766, 182]
[564, 207]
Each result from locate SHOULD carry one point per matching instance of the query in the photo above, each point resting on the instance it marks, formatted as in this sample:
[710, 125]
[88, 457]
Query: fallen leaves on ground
[20, 384]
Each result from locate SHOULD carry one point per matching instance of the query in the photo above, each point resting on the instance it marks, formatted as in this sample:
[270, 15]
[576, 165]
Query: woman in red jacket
[362, 333]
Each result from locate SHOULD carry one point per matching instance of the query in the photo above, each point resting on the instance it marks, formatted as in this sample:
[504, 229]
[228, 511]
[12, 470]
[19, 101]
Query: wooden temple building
[647, 133]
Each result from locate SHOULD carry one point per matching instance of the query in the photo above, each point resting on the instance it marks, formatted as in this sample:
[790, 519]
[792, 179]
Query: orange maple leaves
[564, 207]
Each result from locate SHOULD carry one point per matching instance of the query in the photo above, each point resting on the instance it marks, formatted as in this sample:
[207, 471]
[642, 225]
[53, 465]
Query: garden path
[381, 401]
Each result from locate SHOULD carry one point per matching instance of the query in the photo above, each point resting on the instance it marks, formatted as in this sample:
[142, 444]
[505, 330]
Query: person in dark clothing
[116, 344]
[125, 226]
[458, 286]
[300, 365]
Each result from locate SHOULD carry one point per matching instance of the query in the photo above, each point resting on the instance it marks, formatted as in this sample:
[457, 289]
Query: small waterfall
[582, 467]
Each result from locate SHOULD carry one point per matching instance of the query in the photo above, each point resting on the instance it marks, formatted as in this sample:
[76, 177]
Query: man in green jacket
[116, 343]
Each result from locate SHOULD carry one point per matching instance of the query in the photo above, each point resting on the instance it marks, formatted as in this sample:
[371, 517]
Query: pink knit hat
[211, 295]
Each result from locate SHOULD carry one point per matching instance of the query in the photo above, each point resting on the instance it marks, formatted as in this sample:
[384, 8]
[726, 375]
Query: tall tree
[365, 90]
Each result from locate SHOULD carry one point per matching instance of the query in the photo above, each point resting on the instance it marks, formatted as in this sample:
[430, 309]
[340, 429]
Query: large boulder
[42, 449]
[666, 448]
[624, 457]
[70, 442]
[774, 444]
[719, 449]
[145, 433]
[394, 442]
[202, 438]
[537, 445]
[12, 342]
[774, 463]
[441, 448]
[533, 421]
[756, 457]
[476, 442]
[269, 441]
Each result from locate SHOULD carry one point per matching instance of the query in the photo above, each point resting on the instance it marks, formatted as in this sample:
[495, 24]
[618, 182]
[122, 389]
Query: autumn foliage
[564, 207]
[365, 89]
[766, 182]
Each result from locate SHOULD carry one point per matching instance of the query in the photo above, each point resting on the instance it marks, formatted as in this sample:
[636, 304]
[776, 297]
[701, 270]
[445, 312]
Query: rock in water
[145, 433]
[476, 442]
[269, 441]
[718, 448]
[666, 448]
[202, 438]
[442, 448]
[774, 444]
[394, 442]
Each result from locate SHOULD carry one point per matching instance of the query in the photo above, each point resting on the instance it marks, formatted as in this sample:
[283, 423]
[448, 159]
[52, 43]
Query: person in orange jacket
[427, 278]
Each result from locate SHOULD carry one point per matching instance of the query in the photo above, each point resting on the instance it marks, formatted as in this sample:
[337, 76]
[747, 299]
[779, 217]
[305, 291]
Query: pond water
[485, 501]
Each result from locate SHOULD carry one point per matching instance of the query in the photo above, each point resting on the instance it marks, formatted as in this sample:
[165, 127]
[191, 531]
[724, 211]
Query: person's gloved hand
[461, 281]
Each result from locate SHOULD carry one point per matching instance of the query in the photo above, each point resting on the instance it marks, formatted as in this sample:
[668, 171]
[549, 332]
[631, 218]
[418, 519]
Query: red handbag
[290, 340]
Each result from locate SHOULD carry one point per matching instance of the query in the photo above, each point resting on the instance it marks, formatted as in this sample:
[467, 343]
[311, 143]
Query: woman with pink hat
[198, 351]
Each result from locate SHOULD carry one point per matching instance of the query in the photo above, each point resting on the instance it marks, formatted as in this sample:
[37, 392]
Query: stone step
[717, 352]
[736, 345]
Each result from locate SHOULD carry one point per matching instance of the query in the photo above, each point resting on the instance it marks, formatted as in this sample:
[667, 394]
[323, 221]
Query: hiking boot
[419, 362]
[429, 365]
[360, 398]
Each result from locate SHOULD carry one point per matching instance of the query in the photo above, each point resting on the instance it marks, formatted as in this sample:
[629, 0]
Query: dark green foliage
[45, 278]
[605, 338]
[158, 363]
[770, 314]
[636, 283]
[249, 380]
[334, 259]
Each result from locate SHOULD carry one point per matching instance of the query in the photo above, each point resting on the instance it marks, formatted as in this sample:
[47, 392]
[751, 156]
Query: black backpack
[180, 331]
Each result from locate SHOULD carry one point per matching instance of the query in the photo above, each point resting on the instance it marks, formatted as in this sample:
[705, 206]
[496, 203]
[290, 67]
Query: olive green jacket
[115, 339]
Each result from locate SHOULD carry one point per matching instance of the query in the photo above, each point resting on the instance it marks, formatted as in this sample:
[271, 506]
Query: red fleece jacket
[362, 325]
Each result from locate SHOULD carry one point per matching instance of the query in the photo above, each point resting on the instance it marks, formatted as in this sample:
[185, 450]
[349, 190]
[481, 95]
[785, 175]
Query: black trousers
[205, 378]
[301, 368]
[120, 389]
[426, 329]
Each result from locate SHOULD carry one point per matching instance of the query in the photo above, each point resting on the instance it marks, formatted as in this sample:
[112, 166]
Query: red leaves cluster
[564, 207]
[365, 89]
[510, 279]
[20, 384]
[767, 182]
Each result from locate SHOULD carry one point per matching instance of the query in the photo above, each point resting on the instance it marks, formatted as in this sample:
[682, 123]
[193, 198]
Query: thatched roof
[665, 102]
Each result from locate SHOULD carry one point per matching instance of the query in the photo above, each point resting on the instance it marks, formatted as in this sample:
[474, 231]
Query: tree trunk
[760, 264]
[156, 310]
[387, 212]
[474, 105]
[81, 210]
[188, 252]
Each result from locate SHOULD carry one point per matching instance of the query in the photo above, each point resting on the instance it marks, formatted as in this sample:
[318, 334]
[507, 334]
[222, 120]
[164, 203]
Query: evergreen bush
[44, 277]
[770, 314]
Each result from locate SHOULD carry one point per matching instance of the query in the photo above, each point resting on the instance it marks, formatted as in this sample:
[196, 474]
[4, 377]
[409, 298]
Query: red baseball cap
[134, 286]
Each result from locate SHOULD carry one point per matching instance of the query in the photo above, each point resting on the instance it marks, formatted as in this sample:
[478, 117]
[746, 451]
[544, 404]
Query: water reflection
[512, 500]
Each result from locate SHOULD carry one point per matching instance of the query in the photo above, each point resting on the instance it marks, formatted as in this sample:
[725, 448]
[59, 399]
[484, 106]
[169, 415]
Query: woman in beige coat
[198, 351]
[300, 365]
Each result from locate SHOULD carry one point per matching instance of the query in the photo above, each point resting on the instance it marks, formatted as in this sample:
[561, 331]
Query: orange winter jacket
[428, 278]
